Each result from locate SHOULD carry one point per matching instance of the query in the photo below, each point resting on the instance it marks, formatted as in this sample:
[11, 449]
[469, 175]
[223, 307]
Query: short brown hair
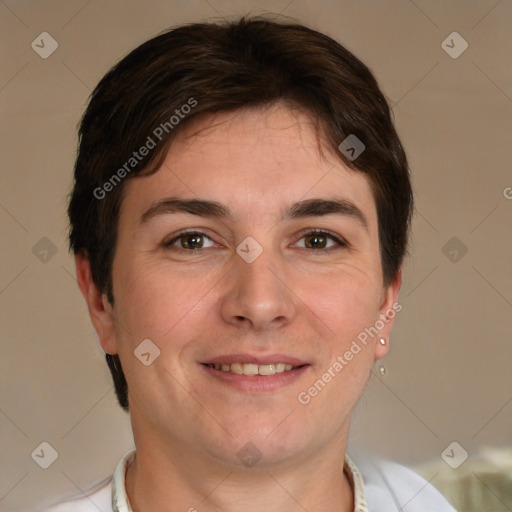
[217, 67]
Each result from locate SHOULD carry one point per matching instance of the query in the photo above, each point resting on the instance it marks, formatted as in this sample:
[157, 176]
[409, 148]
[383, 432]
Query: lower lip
[257, 383]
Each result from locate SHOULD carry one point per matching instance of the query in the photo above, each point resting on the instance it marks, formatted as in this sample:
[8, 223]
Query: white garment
[379, 486]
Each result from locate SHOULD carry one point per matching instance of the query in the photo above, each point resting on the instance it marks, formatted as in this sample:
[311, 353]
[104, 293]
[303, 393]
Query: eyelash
[339, 241]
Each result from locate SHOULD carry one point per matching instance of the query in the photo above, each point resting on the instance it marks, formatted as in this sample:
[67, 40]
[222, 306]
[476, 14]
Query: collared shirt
[382, 486]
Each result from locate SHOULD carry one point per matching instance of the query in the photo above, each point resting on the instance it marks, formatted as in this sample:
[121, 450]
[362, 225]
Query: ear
[100, 309]
[389, 308]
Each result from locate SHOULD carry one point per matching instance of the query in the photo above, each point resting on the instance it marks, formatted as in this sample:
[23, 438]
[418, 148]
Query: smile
[253, 369]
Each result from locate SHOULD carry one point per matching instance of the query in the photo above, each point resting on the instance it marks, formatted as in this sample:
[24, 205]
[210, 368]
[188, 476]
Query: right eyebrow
[193, 206]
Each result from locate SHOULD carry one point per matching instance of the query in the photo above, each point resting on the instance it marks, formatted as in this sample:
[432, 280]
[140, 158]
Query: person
[239, 218]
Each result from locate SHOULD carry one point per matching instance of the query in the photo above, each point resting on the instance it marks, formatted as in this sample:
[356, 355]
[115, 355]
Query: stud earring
[382, 341]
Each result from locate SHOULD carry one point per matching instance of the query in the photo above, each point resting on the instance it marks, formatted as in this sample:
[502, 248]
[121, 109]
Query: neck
[171, 479]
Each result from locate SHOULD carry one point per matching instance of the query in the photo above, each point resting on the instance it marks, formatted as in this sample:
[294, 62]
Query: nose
[257, 295]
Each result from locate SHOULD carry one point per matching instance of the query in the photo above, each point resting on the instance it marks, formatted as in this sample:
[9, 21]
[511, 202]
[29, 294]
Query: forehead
[257, 160]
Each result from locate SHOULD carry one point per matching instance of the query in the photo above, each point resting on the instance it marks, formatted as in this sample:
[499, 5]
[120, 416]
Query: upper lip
[252, 359]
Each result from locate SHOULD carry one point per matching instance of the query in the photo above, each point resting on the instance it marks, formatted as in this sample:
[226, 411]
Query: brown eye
[190, 241]
[320, 240]
[316, 241]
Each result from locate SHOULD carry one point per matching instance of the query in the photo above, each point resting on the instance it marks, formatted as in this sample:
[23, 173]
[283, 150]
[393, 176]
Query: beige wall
[449, 372]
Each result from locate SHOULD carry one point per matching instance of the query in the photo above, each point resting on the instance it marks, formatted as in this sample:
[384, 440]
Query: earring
[382, 341]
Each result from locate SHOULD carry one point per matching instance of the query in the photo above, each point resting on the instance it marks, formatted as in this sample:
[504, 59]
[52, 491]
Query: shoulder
[392, 487]
[100, 499]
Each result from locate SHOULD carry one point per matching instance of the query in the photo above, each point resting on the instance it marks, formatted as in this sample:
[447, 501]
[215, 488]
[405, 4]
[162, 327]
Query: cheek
[152, 299]
[347, 306]
[346, 303]
[155, 305]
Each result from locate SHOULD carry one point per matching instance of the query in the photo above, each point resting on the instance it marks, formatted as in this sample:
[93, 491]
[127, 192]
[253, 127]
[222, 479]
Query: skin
[310, 303]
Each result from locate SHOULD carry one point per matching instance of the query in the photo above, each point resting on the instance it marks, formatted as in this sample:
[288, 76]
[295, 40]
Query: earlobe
[100, 310]
[389, 308]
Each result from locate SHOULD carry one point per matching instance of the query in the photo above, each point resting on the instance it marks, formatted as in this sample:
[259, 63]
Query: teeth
[237, 368]
[250, 369]
[253, 369]
[267, 369]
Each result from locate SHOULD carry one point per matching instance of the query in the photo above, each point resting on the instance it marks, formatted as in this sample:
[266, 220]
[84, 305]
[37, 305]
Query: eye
[318, 239]
[189, 240]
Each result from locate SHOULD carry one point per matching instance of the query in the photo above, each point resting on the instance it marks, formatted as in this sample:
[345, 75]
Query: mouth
[253, 369]
[255, 374]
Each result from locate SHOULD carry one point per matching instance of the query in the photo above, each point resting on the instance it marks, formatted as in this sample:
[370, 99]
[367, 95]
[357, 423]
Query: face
[262, 272]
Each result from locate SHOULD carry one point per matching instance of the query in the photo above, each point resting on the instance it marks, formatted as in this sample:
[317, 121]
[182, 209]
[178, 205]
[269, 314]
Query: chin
[262, 443]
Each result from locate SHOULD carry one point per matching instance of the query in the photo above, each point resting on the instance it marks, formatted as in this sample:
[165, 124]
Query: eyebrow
[214, 209]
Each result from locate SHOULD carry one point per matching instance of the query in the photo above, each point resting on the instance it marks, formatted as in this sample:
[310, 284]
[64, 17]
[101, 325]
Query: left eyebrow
[214, 209]
[319, 207]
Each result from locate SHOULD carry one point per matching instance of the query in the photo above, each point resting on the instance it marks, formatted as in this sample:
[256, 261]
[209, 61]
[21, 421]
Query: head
[248, 116]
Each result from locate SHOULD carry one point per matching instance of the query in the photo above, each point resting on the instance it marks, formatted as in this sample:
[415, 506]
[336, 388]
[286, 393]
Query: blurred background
[441, 402]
